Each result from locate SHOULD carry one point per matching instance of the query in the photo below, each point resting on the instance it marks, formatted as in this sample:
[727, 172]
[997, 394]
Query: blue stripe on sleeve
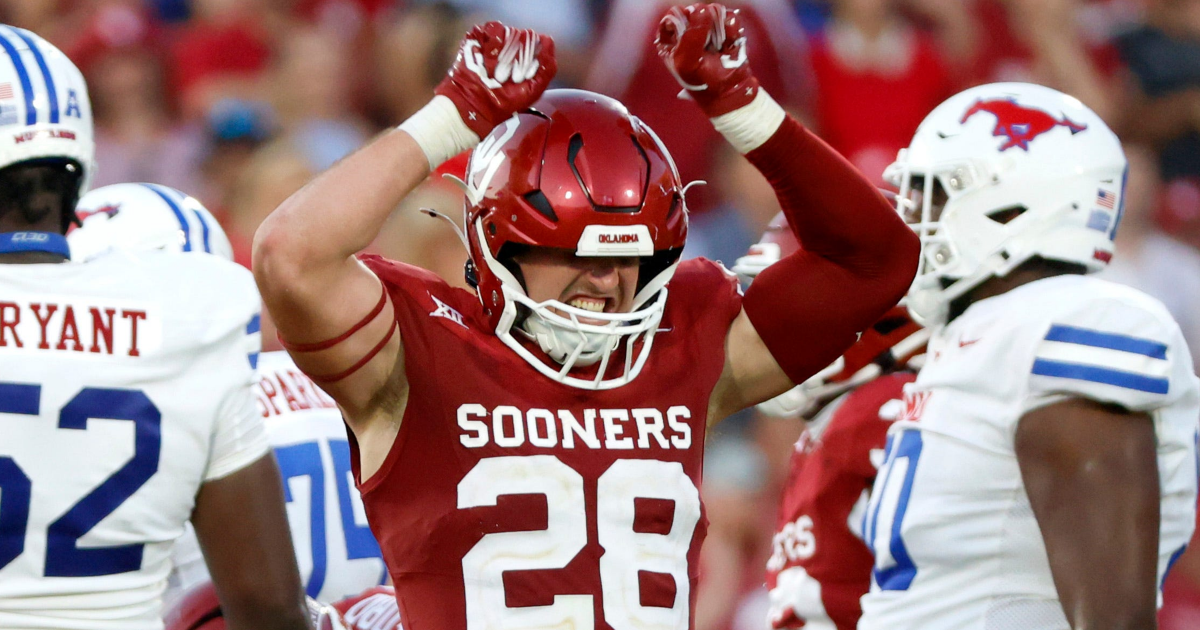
[253, 359]
[51, 93]
[1106, 376]
[1097, 339]
[183, 224]
[23, 75]
[255, 325]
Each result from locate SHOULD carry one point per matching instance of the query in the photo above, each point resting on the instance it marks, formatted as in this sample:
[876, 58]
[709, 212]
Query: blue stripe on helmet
[203, 230]
[51, 93]
[23, 75]
[183, 224]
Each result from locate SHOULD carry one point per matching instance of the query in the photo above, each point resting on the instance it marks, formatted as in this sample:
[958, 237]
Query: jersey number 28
[626, 551]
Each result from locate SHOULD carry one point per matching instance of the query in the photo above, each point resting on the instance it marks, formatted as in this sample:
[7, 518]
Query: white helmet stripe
[161, 191]
[51, 93]
[23, 75]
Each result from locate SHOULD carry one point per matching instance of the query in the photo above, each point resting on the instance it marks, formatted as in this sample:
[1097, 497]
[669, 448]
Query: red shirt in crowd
[870, 113]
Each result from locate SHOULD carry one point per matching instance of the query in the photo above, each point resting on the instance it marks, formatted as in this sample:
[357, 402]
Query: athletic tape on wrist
[440, 131]
[749, 127]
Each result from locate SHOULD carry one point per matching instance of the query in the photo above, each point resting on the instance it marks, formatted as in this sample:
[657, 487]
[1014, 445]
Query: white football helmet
[140, 217]
[1002, 173]
[44, 108]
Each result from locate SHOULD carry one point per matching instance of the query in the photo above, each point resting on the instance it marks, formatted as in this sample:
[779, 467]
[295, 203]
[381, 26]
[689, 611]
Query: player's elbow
[892, 265]
[277, 261]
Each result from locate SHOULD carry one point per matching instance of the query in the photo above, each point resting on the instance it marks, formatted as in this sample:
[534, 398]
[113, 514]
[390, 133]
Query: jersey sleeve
[239, 436]
[1115, 351]
[710, 294]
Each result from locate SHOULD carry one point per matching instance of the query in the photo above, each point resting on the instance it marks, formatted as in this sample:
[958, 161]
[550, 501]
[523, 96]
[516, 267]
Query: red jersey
[820, 566]
[512, 501]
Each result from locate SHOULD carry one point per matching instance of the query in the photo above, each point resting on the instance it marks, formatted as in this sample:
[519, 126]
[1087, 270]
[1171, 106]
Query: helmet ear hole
[471, 274]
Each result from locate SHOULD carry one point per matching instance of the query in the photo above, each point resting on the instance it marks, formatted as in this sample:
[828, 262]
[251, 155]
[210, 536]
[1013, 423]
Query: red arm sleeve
[857, 257]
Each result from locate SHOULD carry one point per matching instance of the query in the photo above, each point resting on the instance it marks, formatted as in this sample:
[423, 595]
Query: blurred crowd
[240, 102]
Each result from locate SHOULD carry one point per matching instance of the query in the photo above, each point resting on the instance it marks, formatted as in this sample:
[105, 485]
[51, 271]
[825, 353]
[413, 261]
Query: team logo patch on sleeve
[1100, 357]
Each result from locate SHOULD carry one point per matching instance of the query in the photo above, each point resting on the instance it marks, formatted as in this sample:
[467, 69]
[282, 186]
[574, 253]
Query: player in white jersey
[336, 551]
[1043, 474]
[125, 400]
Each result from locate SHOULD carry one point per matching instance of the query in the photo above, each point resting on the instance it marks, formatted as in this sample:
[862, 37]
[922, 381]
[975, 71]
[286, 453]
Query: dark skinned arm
[242, 527]
[1091, 473]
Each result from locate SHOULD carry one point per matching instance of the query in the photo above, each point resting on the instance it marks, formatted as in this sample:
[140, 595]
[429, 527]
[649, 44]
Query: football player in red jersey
[819, 565]
[529, 453]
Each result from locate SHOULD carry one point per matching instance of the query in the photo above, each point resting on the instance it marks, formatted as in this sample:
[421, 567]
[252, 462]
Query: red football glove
[372, 609]
[704, 46]
[499, 71]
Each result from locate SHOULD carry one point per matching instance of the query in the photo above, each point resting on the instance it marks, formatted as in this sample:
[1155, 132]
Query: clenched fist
[499, 71]
[704, 47]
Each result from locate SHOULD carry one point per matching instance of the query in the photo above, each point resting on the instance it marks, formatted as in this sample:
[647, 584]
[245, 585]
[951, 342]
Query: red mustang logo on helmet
[111, 210]
[1018, 123]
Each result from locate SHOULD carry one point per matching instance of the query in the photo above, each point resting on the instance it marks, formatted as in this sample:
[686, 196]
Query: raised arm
[857, 257]
[331, 311]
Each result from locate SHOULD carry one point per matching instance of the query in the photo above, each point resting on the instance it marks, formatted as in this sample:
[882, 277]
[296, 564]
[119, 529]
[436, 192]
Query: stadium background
[240, 102]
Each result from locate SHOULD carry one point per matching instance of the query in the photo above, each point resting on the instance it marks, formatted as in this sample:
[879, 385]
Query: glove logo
[517, 60]
[1020, 124]
[486, 160]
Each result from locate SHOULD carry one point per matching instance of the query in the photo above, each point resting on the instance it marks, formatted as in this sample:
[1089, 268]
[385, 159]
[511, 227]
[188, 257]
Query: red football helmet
[576, 172]
[892, 342]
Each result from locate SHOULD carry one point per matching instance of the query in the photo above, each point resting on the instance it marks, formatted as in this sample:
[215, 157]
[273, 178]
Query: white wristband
[749, 127]
[440, 131]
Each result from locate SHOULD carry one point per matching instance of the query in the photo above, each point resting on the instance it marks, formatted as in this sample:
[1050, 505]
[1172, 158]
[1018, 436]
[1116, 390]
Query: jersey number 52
[64, 558]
